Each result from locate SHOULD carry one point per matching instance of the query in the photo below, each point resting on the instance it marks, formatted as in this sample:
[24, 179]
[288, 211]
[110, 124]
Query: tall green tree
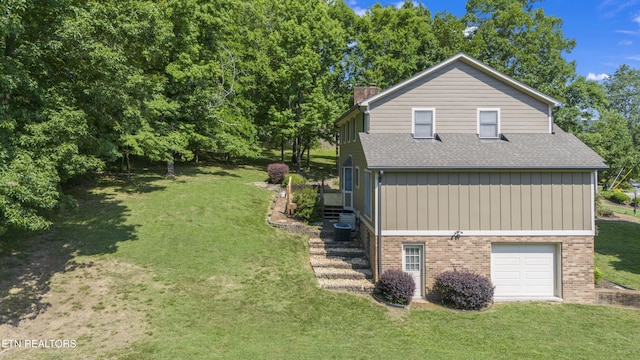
[393, 44]
[609, 136]
[623, 92]
[298, 70]
[41, 129]
[584, 101]
[519, 39]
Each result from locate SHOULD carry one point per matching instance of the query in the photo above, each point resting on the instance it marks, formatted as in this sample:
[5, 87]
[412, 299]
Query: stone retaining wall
[628, 298]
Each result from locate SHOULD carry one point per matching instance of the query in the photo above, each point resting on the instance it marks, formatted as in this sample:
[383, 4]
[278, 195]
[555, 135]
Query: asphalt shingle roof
[466, 151]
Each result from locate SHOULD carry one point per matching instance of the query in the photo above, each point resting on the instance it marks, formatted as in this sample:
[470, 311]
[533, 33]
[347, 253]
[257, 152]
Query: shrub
[616, 196]
[463, 289]
[601, 210]
[277, 172]
[308, 204]
[296, 179]
[395, 287]
[597, 275]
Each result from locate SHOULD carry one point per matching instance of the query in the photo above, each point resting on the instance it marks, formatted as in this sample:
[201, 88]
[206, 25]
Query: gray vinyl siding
[354, 148]
[456, 92]
[491, 201]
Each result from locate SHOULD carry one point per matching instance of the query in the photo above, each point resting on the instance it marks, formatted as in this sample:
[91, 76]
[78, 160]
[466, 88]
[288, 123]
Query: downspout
[552, 121]
[379, 222]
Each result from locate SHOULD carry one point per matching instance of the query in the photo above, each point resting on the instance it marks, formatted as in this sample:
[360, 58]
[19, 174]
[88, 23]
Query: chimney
[361, 93]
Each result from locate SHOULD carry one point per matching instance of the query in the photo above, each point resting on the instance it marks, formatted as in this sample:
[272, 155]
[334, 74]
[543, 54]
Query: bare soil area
[85, 308]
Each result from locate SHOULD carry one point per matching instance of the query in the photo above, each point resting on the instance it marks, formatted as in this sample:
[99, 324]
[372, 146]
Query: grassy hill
[188, 268]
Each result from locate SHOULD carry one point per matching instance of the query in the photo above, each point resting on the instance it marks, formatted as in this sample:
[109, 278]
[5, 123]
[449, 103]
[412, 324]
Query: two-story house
[462, 167]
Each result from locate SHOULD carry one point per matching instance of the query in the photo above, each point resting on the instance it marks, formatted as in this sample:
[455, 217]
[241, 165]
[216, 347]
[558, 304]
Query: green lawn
[622, 209]
[226, 285]
[617, 252]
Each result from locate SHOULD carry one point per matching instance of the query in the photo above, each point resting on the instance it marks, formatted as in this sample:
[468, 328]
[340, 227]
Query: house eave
[474, 63]
[349, 113]
[484, 168]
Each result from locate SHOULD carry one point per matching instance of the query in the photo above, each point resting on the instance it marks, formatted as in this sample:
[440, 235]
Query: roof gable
[473, 63]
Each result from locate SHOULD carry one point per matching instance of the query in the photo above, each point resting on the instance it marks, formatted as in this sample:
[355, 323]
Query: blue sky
[607, 32]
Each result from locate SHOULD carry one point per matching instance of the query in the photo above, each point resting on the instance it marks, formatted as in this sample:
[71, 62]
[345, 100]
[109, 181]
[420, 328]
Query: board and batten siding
[487, 201]
[456, 92]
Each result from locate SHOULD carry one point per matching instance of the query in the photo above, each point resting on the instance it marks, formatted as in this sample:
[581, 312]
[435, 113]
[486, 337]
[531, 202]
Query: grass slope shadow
[622, 240]
[28, 261]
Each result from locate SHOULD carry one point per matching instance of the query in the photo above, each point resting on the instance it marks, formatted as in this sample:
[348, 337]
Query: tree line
[89, 83]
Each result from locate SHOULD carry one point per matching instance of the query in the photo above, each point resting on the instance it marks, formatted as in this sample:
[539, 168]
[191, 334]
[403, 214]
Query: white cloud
[634, 58]
[399, 4]
[625, 43]
[611, 8]
[597, 77]
[359, 11]
[469, 30]
[637, 19]
[628, 32]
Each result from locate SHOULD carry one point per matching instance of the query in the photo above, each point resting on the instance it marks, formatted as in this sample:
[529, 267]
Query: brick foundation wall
[474, 253]
[370, 242]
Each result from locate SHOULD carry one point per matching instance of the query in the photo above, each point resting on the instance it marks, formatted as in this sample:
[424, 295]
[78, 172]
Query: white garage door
[523, 271]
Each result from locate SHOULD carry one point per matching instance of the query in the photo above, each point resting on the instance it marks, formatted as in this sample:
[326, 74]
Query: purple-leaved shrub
[463, 289]
[395, 287]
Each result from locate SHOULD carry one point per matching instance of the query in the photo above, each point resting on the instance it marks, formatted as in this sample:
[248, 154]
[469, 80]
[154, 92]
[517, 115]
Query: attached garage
[525, 271]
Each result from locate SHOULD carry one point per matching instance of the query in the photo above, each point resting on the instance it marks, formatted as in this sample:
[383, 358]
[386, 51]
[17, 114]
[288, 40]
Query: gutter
[481, 168]
[347, 113]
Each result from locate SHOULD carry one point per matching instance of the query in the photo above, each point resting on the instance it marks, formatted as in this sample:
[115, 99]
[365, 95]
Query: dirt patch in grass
[92, 307]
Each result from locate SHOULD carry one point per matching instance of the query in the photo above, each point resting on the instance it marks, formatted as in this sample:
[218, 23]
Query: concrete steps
[341, 266]
[318, 261]
[342, 273]
[343, 252]
[348, 285]
[319, 243]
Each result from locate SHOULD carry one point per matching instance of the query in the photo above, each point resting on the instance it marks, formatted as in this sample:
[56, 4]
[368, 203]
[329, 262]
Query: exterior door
[412, 260]
[347, 188]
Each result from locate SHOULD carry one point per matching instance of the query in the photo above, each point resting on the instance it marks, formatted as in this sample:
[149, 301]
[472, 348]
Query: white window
[347, 188]
[356, 177]
[365, 126]
[367, 193]
[423, 123]
[353, 133]
[348, 132]
[488, 123]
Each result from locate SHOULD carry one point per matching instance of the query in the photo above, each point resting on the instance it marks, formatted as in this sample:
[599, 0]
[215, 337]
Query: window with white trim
[348, 132]
[367, 193]
[423, 123]
[488, 123]
[347, 187]
[353, 133]
[365, 126]
[356, 177]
